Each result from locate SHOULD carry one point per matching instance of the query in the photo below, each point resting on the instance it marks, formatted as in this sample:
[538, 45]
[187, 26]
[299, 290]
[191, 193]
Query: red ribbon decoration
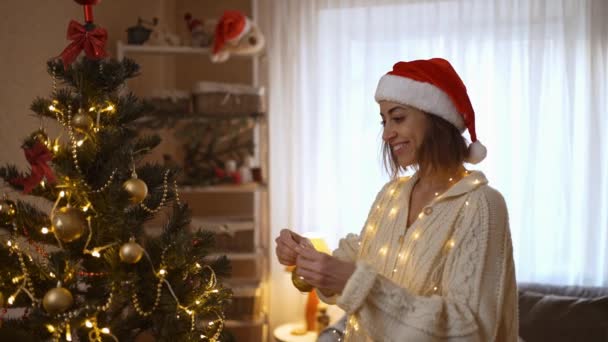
[88, 13]
[38, 156]
[92, 42]
[88, 8]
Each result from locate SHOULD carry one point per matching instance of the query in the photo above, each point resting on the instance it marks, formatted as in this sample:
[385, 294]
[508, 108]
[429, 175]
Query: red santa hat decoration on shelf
[236, 34]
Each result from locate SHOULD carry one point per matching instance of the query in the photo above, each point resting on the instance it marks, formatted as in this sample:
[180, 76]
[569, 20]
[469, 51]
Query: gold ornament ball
[40, 136]
[137, 189]
[57, 300]
[7, 211]
[82, 122]
[1, 300]
[68, 224]
[131, 252]
[299, 283]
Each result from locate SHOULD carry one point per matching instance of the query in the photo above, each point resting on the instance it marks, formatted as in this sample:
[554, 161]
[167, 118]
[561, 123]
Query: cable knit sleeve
[348, 247]
[346, 251]
[471, 301]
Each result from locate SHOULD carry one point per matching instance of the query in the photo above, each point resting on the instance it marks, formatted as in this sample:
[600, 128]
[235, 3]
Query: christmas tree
[86, 266]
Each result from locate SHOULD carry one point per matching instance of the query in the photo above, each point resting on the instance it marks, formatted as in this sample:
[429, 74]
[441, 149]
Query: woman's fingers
[310, 277]
[327, 272]
[285, 262]
[286, 252]
[313, 265]
[290, 247]
[286, 237]
[295, 237]
[286, 257]
[308, 252]
[285, 248]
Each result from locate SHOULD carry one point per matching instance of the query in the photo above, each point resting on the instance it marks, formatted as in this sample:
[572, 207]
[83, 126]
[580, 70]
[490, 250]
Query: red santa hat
[232, 26]
[434, 87]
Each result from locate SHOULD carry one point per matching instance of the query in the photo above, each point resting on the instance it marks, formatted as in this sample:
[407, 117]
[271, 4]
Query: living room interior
[275, 126]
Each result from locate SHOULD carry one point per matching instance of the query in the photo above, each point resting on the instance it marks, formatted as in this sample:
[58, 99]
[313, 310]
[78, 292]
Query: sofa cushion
[565, 290]
[545, 317]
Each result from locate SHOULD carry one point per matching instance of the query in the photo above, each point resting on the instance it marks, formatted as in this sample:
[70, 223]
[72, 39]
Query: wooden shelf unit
[250, 201]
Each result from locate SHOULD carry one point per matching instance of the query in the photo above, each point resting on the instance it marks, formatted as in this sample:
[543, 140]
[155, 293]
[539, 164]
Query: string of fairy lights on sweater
[380, 212]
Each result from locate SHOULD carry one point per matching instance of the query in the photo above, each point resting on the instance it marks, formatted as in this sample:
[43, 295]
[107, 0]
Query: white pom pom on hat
[477, 153]
[433, 86]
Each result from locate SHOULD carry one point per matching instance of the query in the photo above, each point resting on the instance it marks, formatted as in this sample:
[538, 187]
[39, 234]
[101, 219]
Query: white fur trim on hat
[477, 153]
[421, 95]
[220, 57]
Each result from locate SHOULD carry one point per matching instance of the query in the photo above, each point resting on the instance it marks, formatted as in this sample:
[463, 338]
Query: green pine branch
[103, 159]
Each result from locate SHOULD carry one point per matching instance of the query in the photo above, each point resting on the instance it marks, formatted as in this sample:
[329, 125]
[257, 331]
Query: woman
[434, 259]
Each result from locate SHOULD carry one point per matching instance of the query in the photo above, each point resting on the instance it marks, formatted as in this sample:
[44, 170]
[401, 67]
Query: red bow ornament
[93, 43]
[38, 156]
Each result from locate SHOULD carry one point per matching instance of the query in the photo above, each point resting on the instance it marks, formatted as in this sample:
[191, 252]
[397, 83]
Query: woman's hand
[286, 247]
[325, 272]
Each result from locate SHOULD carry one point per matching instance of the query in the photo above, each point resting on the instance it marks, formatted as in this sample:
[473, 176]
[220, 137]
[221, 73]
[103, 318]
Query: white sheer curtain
[537, 74]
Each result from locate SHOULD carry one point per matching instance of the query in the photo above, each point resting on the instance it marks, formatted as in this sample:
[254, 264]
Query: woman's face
[404, 130]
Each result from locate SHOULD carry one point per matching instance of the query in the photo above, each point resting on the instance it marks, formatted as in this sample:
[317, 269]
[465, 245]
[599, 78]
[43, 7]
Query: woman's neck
[439, 180]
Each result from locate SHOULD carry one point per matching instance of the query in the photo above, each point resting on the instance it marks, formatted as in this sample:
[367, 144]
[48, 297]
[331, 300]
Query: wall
[32, 33]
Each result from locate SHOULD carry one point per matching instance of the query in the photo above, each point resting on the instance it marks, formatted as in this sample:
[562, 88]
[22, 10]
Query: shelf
[250, 323]
[204, 116]
[223, 208]
[242, 283]
[238, 256]
[161, 49]
[241, 280]
[246, 291]
[221, 224]
[170, 119]
[250, 187]
[123, 48]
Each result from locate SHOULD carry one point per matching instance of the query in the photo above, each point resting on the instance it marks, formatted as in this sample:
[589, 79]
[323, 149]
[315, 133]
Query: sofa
[563, 313]
[547, 313]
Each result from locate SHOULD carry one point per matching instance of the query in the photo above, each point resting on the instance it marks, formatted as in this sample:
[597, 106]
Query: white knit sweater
[449, 277]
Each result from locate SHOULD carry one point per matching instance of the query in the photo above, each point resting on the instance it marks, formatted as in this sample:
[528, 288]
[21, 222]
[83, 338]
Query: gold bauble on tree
[299, 282]
[57, 300]
[68, 224]
[82, 121]
[131, 252]
[7, 211]
[40, 135]
[137, 189]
